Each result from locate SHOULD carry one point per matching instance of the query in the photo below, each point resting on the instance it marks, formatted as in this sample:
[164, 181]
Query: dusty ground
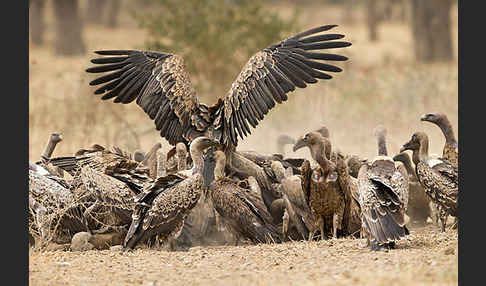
[426, 257]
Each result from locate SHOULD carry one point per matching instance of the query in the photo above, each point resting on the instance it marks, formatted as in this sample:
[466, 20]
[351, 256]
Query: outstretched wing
[270, 74]
[161, 86]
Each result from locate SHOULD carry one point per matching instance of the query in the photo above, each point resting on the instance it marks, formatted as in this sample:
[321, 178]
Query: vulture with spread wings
[161, 86]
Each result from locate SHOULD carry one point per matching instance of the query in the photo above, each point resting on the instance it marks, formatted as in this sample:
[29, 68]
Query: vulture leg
[285, 225]
[443, 218]
[337, 219]
[320, 222]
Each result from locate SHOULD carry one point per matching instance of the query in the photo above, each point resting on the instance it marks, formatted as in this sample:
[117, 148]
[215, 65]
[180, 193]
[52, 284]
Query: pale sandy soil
[427, 257]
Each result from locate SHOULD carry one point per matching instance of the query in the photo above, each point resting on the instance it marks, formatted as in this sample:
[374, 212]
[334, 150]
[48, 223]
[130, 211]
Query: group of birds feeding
[204, 185]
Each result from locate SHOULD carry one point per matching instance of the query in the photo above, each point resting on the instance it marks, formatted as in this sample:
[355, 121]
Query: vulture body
[54, 215]
[105, 182]
[352, 211]
[162, 207]
[438, 177]
[297, 211]
[419, 203]
[241, 210]
[324, 194]
[383, 197]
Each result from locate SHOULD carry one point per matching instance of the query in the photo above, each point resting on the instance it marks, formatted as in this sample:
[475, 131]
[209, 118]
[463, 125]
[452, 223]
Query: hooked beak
[425, 117]
[405, 147]
[299, 144]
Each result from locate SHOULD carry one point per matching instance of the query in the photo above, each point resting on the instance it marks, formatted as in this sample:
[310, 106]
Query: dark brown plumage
[162, 88]
[383, 197]
[354, 163]
[160, 210]
[324, 194]
[242, 211]
[297, 210]
[438, 177]
[450, 151]
[418, 202]
[352, 210]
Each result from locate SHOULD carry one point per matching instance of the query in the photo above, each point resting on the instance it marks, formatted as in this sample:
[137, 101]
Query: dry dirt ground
[426, 257]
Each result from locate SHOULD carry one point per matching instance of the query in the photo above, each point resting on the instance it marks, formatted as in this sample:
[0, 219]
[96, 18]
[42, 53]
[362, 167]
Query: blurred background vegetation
[403, 62]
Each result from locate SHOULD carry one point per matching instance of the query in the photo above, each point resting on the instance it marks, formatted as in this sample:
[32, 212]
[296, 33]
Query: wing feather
[158, 82]
[271, 73]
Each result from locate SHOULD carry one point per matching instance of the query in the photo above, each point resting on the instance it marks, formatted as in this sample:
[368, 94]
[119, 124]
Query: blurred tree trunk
[372, 19]
[68, 40]
[113, 10]
[95, 11]
[37, 24]
[348, 9]
[431, 29]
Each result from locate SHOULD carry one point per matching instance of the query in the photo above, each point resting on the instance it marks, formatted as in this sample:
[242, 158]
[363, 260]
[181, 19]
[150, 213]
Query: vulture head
[418, 139]
[435, 117]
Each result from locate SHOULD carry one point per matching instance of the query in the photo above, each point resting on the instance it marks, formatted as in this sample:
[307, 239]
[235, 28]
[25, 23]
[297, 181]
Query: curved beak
[402, 149]
[299, 144]
[424, 117]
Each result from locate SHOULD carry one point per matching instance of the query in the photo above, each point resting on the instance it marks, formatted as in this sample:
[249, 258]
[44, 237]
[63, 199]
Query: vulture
[297, 212]
[161, 208]
[438, 177]
[419, 204]
[161, 86]
[450, 151]
[383, 197]
[324, 194]
[54, 215]
[241, 210]
[354, 163]
[105, 182]
[352, 210]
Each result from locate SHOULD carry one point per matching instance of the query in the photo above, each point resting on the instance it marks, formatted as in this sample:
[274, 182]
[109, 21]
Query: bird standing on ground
[419, 204]
[324, 194]
[383, 197]
[160, 210]
[242, 211]
[438, 177]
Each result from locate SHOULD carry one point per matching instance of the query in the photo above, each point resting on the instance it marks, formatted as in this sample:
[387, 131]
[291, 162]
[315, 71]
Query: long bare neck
[318, 153]
[446, 128]
[196, 156]
[219, 168]
[381, 145]
[51, 145]
[423, 153]
[181, 161]
[408, 164]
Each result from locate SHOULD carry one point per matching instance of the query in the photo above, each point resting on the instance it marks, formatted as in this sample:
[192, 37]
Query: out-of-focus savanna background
[403, 63]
